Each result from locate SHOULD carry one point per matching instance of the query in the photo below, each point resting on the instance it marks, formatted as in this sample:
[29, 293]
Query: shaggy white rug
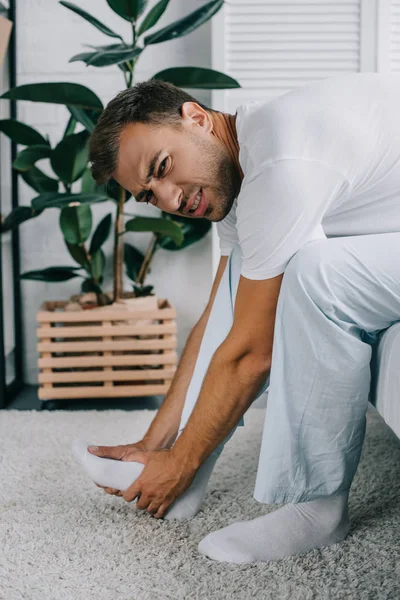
[64, 538]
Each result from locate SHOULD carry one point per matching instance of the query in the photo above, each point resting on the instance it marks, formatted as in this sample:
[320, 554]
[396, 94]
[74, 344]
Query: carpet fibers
[63, 538]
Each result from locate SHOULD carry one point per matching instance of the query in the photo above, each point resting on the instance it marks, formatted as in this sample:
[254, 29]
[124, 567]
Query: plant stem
[119, 220]
[102, 299]
[119, 245]
[133, 34]
[147, 260]
[133, 60]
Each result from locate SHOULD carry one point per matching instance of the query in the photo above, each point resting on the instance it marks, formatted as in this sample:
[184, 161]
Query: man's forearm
[229, 388]
[164, 427]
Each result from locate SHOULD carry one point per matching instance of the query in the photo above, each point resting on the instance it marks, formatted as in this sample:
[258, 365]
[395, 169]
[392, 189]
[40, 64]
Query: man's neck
[225, 130]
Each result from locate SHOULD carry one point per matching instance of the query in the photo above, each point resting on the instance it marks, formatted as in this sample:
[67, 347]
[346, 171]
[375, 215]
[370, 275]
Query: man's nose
[169, 196]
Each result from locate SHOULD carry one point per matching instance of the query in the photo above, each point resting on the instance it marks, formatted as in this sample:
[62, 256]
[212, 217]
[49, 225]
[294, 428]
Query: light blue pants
[337, 296]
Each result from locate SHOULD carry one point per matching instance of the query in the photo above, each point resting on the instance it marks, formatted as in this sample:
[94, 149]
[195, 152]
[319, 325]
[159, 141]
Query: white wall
[48, 35]
[5, 240]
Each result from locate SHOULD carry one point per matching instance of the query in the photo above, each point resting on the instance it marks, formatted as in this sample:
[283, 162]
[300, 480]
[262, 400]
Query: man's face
[187, 161]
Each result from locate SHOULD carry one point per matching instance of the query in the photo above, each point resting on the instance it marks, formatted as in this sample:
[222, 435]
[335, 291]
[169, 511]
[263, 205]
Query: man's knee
[317, 268]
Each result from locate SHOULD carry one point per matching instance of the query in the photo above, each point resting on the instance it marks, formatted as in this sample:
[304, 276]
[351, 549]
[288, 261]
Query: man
[305, 190]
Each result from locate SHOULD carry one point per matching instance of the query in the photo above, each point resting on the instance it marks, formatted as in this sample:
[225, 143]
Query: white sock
[120, 475]
[189, 504]
[292, 529]
[117, 474]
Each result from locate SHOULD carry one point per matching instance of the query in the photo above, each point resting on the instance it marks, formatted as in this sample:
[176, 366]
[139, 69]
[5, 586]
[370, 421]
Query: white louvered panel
[272, 47]
[394, 44]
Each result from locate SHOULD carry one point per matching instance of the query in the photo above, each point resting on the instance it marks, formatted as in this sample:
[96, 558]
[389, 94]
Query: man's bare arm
[164, 427]
[237, 370]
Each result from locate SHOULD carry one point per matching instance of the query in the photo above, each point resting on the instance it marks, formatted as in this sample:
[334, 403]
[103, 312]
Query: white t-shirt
[320, 161]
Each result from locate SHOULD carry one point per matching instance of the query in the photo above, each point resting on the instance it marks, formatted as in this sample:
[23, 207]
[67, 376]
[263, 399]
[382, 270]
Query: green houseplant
[69, 158]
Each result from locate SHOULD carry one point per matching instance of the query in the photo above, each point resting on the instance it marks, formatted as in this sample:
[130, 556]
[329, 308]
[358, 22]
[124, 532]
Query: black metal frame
[7, 392]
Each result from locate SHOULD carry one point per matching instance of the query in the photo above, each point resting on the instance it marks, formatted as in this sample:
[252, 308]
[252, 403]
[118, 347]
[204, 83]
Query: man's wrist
[157, 443]
[190, 460]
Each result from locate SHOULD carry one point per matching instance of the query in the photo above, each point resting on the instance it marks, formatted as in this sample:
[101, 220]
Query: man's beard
[225, 178]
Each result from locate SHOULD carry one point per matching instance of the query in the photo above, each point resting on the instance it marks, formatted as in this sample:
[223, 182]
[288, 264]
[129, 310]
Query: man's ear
[194, 114]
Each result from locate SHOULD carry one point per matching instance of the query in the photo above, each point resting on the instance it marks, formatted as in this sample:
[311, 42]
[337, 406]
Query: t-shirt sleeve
[280, 210]
[226, 230]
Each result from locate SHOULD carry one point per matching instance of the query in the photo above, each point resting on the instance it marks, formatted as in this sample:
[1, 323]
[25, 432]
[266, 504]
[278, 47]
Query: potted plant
[88, 353]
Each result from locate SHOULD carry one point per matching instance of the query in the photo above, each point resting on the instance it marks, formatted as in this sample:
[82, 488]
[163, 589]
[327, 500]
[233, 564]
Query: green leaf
[153, 16]
[82, 13]
[129, 10]
[193, 231]
[55, 200]
[162, 227]
[98, 262]
[105, 58]
[112, 189]
[70, 128]
[20, 133]
[52, 274]
[133, 261]
[83, 56]
[185, 25]
[197, 77]
[39, 181]
[73, 94]
[88, 285]
[124, 67]
[87, 117]
[76, 223]
[143, 290]
[89, 185]
[78, 254]
[27, 157]
[86, 56]
[101, 234]
[70, 157]
[17, 216]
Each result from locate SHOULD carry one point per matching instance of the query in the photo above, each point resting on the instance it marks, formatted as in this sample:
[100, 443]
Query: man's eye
[148, 197]
[160, 170]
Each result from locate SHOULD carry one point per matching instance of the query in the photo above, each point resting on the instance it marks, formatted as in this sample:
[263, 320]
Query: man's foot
[107, 472]
[188, 505]
[292, 529]
[120, 475]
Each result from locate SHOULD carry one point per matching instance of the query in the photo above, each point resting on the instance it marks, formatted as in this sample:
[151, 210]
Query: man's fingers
[153, 508]
[132, 491]
[109, 490]
[161, 511]
[116, 452]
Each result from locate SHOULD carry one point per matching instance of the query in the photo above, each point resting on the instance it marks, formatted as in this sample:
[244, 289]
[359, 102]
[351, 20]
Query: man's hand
[161, 482]
[129, 452]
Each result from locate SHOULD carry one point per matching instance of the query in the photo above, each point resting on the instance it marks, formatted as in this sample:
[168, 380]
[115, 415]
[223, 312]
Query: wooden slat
[107, 370]
[93, 376]
[88, 316]
[83, 332]
[107, 346]
[47, 356]
[120, 391]
[106, 361]
[168, 352]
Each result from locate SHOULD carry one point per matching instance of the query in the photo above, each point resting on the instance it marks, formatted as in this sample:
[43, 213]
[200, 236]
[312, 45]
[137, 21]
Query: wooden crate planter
[97, 354]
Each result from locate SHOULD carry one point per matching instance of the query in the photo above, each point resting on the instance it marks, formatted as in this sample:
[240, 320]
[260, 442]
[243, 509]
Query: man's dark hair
[154, 102]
